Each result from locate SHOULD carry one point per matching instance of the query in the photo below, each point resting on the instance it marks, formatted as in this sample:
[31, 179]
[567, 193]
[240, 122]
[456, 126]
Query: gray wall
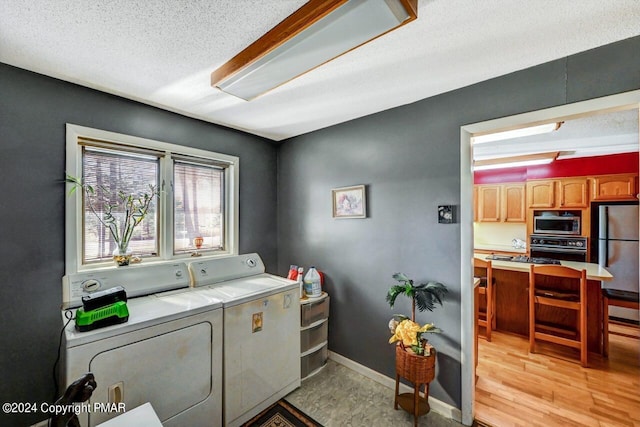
[409, 159]
[33, 113]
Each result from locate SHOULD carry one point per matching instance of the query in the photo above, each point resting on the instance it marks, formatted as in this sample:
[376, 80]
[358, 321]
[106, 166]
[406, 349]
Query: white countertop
[594, 271]
[496, 247]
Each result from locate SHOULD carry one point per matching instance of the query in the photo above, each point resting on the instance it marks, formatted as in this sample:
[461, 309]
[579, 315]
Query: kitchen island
[512, 299]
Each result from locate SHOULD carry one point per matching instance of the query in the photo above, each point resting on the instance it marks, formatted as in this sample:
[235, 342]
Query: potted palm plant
[424, 296]
[415, 359]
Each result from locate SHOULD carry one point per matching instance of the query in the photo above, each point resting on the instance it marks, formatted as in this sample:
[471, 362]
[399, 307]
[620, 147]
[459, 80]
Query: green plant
[424, 295]
[131, 208]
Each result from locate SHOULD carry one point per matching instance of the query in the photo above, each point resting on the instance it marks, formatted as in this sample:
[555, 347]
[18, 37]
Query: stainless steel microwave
[556, 224]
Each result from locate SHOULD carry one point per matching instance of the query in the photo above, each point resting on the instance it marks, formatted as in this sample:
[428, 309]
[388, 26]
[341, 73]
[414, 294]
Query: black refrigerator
[618, 251]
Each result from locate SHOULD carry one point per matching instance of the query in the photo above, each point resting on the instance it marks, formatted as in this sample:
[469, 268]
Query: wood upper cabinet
[489, 203]
[541, 194]
[573, 193]
[475, 203]
[614, 187]
[566, 193]
[513, 202]
[500, 203]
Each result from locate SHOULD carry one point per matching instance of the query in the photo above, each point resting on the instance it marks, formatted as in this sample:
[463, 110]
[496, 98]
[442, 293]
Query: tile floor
[339, 396]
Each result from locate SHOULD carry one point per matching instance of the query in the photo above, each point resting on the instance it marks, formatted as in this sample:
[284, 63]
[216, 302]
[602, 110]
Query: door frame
[621, 101]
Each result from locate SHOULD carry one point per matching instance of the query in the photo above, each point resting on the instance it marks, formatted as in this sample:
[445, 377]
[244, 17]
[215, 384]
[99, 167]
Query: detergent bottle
[312, 287]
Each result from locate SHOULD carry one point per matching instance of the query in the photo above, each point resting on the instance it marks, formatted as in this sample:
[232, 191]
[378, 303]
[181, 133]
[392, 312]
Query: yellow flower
[408, 332]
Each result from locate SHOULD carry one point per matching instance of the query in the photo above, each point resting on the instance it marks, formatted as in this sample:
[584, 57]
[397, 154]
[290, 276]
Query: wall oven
[565, 248]
[556, 224]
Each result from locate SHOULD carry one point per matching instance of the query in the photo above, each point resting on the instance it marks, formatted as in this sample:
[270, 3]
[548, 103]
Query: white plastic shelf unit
[314, 322]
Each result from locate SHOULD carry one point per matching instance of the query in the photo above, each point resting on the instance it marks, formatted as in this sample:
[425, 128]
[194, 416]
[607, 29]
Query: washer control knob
[251, 262]
[178, 273]
[203, 271]
[91, 285]
[580, 244]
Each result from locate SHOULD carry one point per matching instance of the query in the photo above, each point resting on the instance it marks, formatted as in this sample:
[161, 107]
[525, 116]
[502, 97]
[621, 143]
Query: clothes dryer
[168, 353]
[261, 332]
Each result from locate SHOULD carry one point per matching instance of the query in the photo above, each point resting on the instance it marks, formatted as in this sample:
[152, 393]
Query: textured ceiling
[161, 52]
[594, 135]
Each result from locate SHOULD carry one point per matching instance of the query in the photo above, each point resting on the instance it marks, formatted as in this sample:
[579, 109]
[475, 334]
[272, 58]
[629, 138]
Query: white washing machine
[261, 332]
[168, 353]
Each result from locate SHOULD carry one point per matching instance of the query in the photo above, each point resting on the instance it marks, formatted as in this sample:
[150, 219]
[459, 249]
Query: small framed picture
[445, 214]
[349, 202]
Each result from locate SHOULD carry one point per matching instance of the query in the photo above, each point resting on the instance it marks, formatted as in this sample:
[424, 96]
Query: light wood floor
[515, 388]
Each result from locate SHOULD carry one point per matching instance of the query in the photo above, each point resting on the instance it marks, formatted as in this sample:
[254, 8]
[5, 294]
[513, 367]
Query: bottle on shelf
[301, 282]
[312, 287]
[293, 272]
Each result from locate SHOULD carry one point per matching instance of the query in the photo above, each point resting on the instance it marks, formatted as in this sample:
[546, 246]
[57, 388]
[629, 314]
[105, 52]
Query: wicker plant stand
[419, 370]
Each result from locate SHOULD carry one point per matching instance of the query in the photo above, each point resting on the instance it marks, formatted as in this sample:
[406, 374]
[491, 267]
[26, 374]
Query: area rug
[282, 414]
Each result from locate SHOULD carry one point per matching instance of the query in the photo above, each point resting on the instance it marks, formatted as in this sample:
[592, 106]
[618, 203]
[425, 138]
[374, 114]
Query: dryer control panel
[211, 271]
[136, 279]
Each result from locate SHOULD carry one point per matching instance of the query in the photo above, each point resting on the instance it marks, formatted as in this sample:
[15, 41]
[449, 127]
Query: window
[196, 210]
[198, 207]
[108, 172]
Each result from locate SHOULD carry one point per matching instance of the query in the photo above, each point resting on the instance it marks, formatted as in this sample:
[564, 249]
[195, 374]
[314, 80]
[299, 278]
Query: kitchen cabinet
[513, 202]
[314, 323]
[614, 187]
[573, 193]
[541, 194]
[568, 193]
[489, 203]
[500, 203]
[475, 203]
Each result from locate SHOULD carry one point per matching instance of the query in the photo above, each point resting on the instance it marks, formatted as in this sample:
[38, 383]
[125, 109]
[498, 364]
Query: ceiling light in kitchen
[318, 32]
[515, 161]
[517, 133]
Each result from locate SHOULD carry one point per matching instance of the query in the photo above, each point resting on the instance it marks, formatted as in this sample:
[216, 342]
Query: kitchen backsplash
[498, 236]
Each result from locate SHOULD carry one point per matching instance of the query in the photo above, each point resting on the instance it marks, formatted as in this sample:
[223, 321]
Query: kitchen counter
[498, 248]
[594, 271]
[512, 299]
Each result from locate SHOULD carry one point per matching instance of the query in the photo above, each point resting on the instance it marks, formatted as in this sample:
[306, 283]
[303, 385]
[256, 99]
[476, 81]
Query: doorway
[623, 101]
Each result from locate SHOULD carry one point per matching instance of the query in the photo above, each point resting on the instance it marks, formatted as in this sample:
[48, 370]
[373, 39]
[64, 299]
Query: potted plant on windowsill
[424, 296]
[119, 212]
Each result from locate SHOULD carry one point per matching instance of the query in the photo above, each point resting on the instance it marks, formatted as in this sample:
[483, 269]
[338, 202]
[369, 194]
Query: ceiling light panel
[515, 161]
[285, 53]
[513, 164]
[517, 133]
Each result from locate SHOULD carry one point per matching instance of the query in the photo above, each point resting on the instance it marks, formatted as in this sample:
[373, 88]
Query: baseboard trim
[438, 406]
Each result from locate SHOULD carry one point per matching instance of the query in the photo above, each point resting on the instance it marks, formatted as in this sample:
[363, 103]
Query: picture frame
[349, 202]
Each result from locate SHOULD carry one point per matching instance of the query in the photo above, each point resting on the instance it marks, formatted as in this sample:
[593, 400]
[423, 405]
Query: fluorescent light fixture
[318, 32]
[517, 133]
[515, 161]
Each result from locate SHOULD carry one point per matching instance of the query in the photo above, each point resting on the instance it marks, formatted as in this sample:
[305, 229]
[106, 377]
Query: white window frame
[74, 208]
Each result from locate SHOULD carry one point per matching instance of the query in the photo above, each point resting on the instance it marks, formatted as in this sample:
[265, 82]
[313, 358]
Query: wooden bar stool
[617, 298]
[487, 317]
[569, 296]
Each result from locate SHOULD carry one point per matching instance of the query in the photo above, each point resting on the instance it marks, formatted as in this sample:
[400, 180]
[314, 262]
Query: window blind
[198, 206]
[110, 171]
